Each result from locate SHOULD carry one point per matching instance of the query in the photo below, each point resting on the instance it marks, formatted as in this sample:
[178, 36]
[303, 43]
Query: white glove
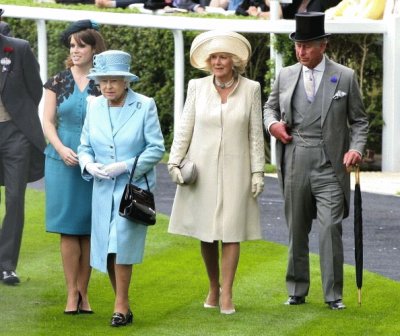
[115, 169]
[175, 174]
[95, 169]
[257, 183]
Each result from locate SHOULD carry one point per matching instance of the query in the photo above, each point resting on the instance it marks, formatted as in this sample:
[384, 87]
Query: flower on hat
[6, 61]
[100, 63]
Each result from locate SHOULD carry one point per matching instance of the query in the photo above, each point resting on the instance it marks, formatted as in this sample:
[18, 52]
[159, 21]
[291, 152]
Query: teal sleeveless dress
[68, 195]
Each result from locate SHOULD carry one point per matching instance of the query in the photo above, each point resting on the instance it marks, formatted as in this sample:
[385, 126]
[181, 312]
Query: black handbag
[138, 204]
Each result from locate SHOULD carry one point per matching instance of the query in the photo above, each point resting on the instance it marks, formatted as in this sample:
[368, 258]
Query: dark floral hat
[77, 27]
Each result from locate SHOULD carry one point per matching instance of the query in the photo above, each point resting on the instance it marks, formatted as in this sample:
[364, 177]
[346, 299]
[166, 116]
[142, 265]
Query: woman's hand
[115, 169]
[257, 183]
[69, 157]
[175, 174]
[95, 169]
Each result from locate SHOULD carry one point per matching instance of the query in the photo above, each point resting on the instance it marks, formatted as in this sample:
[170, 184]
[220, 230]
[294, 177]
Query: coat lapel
[3, 75]
[330, 80]
[102, 116]
[291, 83]
[130, 107]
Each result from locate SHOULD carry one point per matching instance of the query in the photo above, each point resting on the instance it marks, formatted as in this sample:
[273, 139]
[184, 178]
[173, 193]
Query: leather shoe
[336, 305]
[119, 319]
[9, 278]
[295, 300]
[75, 312]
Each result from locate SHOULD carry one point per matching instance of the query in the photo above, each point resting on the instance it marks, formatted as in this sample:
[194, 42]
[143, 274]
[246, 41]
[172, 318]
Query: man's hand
[280, 131]
[351, 158]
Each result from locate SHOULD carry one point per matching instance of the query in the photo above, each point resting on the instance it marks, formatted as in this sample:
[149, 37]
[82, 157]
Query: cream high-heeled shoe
[228, 311]
[208, 306]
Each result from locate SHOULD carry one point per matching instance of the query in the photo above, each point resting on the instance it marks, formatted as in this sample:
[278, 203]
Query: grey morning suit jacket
[343, 119]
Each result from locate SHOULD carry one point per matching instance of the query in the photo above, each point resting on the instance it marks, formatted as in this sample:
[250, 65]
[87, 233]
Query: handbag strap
[133, 171]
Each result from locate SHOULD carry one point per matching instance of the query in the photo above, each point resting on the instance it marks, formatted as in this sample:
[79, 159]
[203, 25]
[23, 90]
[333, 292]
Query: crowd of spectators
[259, 8]
[371, 9]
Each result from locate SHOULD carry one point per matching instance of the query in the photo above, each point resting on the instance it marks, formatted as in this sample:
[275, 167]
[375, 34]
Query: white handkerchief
[339, 94]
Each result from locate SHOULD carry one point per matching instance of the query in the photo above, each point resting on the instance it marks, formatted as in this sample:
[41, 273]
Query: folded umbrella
[358, 233]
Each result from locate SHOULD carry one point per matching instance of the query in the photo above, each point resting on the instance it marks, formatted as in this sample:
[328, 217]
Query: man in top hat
[315, 112]
[21, 143]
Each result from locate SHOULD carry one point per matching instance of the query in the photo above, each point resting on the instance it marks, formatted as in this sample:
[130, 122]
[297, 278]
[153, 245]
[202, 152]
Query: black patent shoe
[119, 319]
[295, 300]
[74, 312]
[84, 311]
[336, 305]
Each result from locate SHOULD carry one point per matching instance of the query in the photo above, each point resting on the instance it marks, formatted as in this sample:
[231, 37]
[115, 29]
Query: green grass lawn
[168, 290]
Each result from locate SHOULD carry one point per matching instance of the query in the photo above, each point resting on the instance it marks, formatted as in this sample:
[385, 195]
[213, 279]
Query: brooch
[6, 61]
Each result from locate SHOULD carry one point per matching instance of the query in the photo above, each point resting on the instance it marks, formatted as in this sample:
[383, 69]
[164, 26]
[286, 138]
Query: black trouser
[14, 157]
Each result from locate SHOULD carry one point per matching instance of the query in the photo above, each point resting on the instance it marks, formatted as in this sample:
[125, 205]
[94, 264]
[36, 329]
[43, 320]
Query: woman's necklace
[225, 85]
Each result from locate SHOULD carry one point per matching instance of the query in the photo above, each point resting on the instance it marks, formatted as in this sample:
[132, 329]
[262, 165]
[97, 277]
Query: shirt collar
[320, 67]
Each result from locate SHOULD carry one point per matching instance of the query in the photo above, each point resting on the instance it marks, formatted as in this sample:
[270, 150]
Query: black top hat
[309, 27]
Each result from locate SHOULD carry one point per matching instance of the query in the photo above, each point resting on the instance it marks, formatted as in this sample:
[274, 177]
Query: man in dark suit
[315, 112]
[21, 143]
[289, 10]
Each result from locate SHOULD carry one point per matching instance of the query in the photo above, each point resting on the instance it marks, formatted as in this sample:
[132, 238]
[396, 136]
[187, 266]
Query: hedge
[152, 52]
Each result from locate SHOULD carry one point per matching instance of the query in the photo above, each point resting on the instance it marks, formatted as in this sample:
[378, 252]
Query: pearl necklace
[225, 85]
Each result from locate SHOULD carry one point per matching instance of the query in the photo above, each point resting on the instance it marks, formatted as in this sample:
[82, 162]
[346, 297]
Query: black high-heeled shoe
[84, 311]
[74, 312]
[119, 319]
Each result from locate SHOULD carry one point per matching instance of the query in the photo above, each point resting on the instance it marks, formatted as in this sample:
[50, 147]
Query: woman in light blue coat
[120, 125]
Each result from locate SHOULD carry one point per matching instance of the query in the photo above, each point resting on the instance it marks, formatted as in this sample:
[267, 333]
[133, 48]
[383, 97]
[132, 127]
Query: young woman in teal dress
[68, 208]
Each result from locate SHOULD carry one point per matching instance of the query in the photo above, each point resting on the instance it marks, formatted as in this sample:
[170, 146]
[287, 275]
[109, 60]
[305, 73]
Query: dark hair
[87, 36]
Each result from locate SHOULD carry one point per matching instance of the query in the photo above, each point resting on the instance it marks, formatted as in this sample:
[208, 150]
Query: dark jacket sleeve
[33, 82]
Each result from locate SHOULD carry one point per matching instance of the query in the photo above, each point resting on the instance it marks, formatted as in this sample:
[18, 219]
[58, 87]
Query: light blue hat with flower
[114, 63]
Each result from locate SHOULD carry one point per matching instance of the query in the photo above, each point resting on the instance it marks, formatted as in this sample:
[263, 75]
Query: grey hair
[124, 78]
[323, 40]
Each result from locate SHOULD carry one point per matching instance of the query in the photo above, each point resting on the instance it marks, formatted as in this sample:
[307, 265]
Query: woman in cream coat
[221, 132]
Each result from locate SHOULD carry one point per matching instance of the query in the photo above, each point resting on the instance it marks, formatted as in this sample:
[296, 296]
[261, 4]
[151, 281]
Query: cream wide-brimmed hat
[215, 41]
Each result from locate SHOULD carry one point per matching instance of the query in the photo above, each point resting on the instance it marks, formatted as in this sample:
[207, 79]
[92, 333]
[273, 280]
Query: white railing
[389, 27]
